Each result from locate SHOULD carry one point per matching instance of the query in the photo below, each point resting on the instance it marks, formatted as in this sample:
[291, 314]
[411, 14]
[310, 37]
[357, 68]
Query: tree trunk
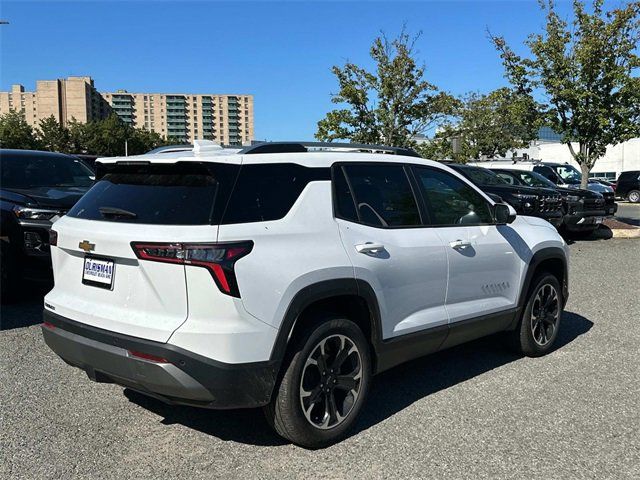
[585, 169]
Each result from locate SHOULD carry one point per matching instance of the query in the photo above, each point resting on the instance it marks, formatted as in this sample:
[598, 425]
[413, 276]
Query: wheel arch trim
[542, 255]
[322, 291]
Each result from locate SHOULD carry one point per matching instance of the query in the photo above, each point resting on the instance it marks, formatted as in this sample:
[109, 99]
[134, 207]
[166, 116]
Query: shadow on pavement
[25, 310]
[391, 392]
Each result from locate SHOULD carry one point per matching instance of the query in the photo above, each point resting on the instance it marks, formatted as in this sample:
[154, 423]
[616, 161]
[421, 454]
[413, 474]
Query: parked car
[628, 185]
[36, 188]
[561, 174]
[540, 202]
[583, 210]
[284, 277]
[604, 181]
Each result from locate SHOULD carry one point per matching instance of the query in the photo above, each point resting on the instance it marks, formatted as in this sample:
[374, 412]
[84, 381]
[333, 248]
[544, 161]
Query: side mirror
[504, 213]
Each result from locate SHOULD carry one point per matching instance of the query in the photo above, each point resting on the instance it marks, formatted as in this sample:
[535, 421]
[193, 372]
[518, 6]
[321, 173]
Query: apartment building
[227, 118]
[65, 99]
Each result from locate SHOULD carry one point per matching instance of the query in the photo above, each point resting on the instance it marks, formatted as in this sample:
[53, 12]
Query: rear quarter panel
[301, 249]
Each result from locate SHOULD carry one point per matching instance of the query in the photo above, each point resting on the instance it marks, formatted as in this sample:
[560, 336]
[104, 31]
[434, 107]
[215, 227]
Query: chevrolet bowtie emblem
[86, 246]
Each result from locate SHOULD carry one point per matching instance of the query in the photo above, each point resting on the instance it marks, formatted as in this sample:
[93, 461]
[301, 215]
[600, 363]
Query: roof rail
[293, 147]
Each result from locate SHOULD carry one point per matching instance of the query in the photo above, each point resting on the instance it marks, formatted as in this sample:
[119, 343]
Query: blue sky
[281, 52]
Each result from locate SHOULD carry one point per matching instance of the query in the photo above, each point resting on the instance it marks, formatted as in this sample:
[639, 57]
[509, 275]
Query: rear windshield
[160, 196]
[26, 171]
[189, 193]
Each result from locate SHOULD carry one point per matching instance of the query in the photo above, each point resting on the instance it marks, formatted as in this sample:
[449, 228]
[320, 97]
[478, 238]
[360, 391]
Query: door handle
[369, 247]
[460, 244]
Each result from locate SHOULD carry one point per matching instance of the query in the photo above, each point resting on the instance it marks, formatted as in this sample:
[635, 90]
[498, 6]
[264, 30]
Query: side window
[383, 195]
[548, 173]
[267, 192]
[450, 200]
[507, 178]
[345, 207]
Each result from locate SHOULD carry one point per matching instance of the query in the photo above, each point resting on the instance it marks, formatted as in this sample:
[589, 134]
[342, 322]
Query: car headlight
[24, 213]
[572, 198]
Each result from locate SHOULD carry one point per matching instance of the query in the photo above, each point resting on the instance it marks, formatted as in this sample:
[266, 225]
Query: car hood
[513, 189]
[578, 192]
[52, 197]
[594, 187]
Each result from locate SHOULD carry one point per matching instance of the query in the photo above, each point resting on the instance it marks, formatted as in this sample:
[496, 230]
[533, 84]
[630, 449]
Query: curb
[625, 232]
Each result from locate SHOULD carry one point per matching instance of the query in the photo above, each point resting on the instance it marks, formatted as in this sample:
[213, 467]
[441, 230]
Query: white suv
[285, 275]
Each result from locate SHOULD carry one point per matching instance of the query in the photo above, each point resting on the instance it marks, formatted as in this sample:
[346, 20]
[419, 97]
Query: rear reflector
[148, 356]
[48, 325]
[218, 258]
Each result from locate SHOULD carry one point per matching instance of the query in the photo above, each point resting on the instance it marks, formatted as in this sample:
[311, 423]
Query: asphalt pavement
[476, 411]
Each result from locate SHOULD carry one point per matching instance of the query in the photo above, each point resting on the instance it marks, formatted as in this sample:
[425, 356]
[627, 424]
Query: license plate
[98, 272]
[598, 220]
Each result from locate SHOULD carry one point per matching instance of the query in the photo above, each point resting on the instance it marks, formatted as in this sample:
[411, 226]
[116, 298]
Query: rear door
[390, 247]
[99, 279]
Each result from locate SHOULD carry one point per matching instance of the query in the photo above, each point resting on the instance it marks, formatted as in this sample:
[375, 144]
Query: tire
[634, 196]
[537, 330]
[584, 233]
[303, 388]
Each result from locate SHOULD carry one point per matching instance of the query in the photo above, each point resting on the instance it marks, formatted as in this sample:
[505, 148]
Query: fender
[541, 255]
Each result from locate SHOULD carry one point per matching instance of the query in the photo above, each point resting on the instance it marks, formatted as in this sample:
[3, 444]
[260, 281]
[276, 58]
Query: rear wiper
[116, 212]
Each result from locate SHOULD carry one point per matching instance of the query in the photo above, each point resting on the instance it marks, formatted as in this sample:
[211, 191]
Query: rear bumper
[184, 378]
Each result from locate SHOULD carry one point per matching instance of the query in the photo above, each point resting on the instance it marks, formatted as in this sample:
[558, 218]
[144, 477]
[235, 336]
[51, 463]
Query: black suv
[533, 201]
[583, 210]
[628, 186]
[35, 189]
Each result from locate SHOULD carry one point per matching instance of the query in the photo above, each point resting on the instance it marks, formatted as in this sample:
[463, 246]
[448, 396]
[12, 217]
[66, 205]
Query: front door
[483, 266]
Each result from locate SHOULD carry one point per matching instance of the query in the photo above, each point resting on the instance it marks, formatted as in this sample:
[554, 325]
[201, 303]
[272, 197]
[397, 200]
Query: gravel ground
[472, 412]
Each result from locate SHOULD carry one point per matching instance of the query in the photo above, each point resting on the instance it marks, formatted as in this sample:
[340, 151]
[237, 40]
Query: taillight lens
[148, 356]
[53, 238]
[218, 258]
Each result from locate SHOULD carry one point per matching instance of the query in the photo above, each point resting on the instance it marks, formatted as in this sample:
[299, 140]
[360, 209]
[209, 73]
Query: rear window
[625, 176]
[159, 195]
[191, 193]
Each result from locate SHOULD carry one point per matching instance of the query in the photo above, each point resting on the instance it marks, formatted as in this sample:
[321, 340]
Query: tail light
[218, 258]
[53, 238]
[148, 356]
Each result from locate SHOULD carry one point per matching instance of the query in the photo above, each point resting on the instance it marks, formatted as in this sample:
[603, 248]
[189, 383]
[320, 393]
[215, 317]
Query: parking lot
[475, 411]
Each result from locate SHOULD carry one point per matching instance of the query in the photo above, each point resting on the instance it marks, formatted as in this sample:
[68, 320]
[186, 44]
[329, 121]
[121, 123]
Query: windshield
[534, 179]
[482, 176]
[568, 173]
[23, 171]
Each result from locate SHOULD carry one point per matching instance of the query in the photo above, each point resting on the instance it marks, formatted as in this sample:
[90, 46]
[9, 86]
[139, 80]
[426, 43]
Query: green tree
[486, 125]
[15, 132]
[587, 74]
[142, 140]
[389, 106]
[107, 137]
[53, 136]
[77, 137]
